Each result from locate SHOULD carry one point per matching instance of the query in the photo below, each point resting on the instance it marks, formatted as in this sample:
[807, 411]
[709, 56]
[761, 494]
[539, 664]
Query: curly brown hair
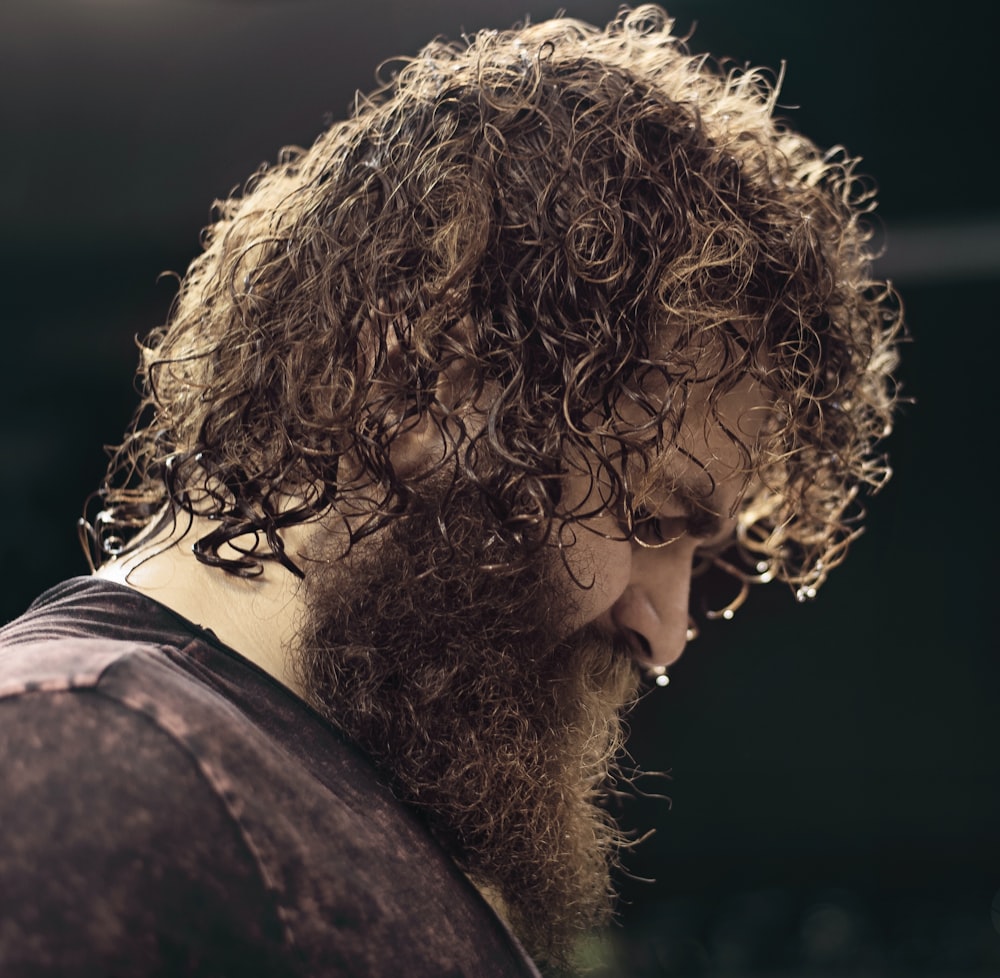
[567, 214]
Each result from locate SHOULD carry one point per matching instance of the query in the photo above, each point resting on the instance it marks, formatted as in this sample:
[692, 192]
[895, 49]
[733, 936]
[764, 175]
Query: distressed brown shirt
[167, 808]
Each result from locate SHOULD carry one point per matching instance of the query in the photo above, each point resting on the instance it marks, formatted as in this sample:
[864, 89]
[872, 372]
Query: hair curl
[557, 214]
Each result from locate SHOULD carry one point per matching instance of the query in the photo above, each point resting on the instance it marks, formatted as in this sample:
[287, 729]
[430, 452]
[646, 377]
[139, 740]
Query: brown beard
[458, 681]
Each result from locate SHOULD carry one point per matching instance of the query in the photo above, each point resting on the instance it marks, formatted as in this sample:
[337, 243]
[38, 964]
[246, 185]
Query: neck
[256, 616]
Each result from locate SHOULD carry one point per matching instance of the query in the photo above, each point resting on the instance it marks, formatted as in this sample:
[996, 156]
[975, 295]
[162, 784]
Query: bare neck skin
[256, 616]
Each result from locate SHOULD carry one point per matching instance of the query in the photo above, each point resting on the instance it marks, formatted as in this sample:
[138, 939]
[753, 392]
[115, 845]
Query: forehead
[713, 452]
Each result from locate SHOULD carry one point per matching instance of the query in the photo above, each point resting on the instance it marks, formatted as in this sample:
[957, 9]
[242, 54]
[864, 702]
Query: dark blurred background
[834, 801]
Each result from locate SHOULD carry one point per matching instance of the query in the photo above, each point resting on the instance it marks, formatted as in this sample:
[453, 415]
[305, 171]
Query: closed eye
[654, 530]
[659, 529]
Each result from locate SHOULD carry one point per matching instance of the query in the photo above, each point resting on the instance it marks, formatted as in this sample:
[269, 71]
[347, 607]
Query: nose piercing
[659, 675]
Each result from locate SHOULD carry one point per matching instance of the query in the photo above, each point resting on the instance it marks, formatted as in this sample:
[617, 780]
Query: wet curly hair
[564, 218]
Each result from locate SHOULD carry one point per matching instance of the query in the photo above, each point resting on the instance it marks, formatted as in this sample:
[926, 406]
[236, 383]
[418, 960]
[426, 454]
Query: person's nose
[651, 614]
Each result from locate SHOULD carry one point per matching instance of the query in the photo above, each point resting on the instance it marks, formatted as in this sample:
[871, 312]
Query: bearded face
[472, 692]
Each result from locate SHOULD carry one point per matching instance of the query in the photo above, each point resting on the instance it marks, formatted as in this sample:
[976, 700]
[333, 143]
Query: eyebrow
[701, 521]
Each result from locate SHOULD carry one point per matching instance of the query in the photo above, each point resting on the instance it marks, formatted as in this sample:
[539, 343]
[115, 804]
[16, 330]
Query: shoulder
[119, 858]
[164, 794]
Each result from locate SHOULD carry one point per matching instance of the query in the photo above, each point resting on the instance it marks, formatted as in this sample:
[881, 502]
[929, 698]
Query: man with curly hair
[442, 421]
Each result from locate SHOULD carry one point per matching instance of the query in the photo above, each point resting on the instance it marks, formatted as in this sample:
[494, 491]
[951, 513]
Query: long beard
[459, 683]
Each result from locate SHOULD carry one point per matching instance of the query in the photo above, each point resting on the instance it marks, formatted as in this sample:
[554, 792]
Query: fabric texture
[167, 808]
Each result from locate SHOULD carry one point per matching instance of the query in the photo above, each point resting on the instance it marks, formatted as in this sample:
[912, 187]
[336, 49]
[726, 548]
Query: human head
[558, 248]
[562, 218]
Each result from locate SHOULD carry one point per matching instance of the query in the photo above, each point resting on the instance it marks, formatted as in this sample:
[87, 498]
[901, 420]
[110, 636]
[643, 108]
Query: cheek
[597, 569]
[600, 571]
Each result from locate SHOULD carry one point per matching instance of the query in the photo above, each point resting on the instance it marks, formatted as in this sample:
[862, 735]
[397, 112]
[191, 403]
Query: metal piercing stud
[659, 675]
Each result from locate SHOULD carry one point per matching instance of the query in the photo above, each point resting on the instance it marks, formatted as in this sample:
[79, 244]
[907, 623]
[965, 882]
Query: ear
[433, 393]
